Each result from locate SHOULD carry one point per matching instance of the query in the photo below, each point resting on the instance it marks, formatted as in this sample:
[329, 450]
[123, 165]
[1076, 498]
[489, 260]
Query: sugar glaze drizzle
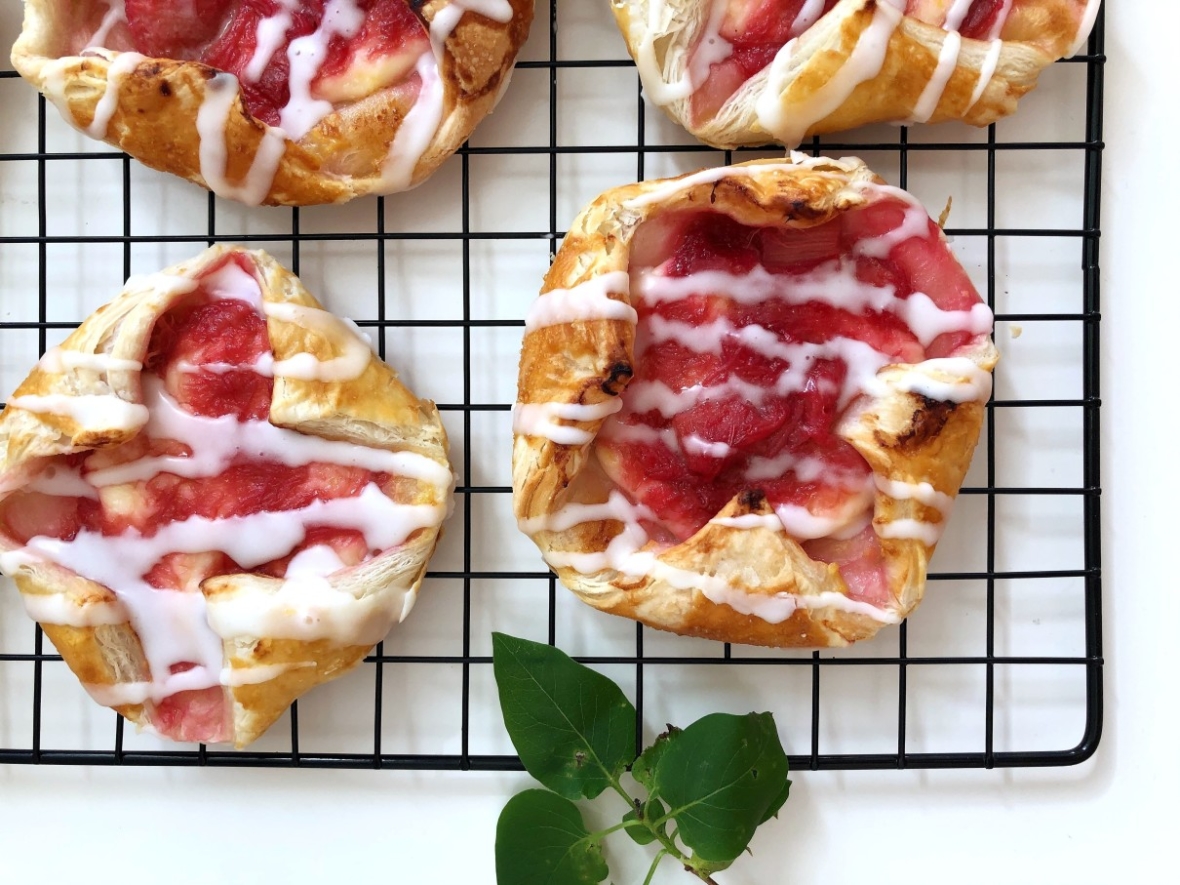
[304, 110]
[870, 373]
[180, 625]
[789, 123]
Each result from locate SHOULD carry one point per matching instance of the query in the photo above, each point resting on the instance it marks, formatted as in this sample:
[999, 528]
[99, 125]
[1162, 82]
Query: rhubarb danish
[286, 102]
[747, 398]
[745, 72]
[214, 496]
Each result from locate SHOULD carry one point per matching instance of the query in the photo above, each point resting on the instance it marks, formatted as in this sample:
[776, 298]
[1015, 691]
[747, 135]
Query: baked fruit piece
[747, 398]
[746, 72]
[214, 496]
[288, 102]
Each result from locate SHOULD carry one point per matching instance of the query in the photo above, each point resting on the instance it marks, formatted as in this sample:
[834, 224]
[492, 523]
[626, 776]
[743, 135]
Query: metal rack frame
[817, 663]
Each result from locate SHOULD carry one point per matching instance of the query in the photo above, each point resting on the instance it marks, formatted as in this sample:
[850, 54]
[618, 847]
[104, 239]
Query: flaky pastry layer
[149, 107]
[751, 583]
[864, 62]
[96, 369]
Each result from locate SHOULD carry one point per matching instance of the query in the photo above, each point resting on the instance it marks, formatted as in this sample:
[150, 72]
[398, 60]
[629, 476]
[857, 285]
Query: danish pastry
[214, 496]
[747, 398]
[747, 72]
[277, 101]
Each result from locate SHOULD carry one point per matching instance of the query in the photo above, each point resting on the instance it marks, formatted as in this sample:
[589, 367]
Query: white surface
[1104, 821]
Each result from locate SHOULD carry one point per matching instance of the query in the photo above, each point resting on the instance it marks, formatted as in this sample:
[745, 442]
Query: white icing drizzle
[307, 54]
[268, 37]
[747, 521]
[259, 673]
[417, 128]
[986, 71]
[116, 12]
[624, 555]
[57, 360]
[666, 189]
[90, 411]
[176, 626]
[1085, 25]
[695, 445]
[119, 694]
[307, 607]
[231, 282]
[212, 118]
[59, 608]
[658, 89]
[803, 525]
[318, 560]
[349, 365]
[171, 624]
[56, 479]
[216, 442]
[923, 492]
[867, 372]
[956, 13]
[948, 379]
[164, 284]
[589, 300]
[948, 60]
[540, 419]
[807, 16]
[615, 507]
[124, 693]
[790, 124]
[915, 222]
[911, 529]
[420, 124]
[122, 65]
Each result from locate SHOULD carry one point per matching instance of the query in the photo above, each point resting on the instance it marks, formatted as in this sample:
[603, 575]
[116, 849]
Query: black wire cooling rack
[1015, 628]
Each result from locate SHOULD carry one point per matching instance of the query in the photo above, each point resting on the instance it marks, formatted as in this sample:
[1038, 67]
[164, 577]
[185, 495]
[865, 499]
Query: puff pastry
[277, 101]
[214, 496]
[749, 72]
[747, 398]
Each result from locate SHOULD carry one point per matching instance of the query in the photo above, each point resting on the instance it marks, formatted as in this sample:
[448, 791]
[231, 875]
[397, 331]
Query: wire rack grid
[1001, 665]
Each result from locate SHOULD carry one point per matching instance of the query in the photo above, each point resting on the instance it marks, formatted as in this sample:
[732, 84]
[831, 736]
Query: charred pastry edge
[891, 95]
[94, 634]
[902, 436]
[158, 101]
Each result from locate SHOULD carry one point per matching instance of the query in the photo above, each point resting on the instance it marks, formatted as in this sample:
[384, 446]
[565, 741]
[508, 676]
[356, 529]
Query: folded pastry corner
[279, 102]
[749, 72]
[747, 399]
[214, 496]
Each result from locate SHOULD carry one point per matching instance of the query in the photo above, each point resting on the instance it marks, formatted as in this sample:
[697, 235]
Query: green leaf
[541, 840]
[573, 728]
[721, 777]
[653, 809]
[643, 769]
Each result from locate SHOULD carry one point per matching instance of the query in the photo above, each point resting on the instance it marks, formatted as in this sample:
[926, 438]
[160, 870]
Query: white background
[1110, 819]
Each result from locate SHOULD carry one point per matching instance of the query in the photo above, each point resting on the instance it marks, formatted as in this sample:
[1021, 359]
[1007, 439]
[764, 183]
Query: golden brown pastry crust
[85, 620]
[788, 103]
[903, 436]
[157, 102]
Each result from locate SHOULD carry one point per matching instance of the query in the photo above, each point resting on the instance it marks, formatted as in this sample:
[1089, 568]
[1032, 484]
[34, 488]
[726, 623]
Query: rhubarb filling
[742, 37]
[752, 343]
[295, 60]
[210, 487]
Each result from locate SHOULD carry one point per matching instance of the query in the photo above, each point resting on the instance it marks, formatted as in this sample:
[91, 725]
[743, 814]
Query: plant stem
[669, 846]
[651, 871]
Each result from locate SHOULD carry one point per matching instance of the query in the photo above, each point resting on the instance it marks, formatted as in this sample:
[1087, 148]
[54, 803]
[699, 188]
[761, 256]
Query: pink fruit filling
[752, 343]
[355, 46]
[757, 29]
[205, 354]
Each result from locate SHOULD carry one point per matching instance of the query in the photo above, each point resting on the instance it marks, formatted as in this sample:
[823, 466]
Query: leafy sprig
[706, 787]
